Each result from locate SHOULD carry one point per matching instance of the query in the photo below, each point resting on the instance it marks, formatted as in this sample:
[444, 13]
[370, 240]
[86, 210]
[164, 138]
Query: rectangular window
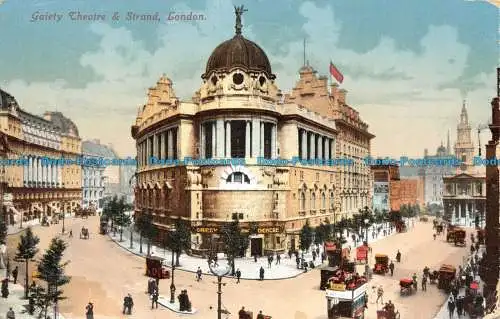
[238, 140]
[159, 140]
[174, 139]
[207, 128]
[300, 143]
[267, 139]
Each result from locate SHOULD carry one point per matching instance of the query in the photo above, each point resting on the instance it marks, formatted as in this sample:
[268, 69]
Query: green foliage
[26, 251]
[180, 239]
[235, 242]
[145, 226]
[51, 269]
[321, 233]
[115, 209]
[306, 236]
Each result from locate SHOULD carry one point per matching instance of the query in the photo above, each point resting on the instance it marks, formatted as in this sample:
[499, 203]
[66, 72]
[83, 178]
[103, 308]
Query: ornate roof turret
[238, 52]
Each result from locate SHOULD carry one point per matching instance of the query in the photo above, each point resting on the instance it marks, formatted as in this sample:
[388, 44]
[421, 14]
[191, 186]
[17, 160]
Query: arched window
[323, 201]
[332, 203]
[238, 178]
[313, 201]
[302, 201]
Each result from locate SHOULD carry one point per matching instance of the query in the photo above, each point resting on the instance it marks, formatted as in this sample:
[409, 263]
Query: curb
[208, 274]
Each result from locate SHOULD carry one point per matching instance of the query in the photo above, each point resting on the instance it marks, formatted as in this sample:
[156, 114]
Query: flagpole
[304, 64]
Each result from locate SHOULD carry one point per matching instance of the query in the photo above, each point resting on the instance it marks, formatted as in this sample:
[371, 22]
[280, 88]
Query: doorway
[256, 246]
[292, 244]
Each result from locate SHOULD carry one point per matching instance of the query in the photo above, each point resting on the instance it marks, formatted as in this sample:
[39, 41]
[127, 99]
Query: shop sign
[344, 295]
[269, 230]
[206, 230]
[338, 287]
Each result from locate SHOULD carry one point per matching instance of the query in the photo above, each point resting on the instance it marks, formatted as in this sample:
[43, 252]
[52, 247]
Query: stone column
[261, 148]
[38, 170]
[255, 137]
[30, 169]
[170, 144]
[214, 140]
[312, 142]
[203, 141]
[155, 145]
[59, 175]
[320, 147]
[49, 175]
[273, 141]
[54, 175]
[25, 173]
[247, 140]
[331, 149]
[304, 144]
[228, 140]
[219, 140]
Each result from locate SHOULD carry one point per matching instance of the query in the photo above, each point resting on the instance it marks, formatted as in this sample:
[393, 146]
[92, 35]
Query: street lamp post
[172, 284]
[131, 234]
[220, 271]
[366, 228]
[64, 217]
[21, 223]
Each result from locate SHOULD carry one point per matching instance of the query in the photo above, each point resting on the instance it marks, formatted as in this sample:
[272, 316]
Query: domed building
[233, 152]
[34, 186]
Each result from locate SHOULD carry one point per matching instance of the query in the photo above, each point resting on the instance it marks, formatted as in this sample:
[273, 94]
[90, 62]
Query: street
[104, 273]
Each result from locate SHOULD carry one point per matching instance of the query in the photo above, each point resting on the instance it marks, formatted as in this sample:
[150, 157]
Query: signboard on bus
[347, 294]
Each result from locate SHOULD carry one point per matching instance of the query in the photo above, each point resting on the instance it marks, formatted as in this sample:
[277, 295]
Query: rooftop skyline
[406, 68]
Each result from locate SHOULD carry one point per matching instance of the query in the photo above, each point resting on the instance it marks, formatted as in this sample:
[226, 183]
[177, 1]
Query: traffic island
[175, 307]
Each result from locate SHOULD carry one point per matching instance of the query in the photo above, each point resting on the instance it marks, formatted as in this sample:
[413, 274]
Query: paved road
[103, 273]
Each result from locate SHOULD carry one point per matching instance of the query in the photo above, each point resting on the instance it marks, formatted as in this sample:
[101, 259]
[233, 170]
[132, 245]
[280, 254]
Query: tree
[147, 229]
[235, 242]
[122, 220]
[114, 210]
[306, 236]
[320, 234]
[180, 238]
[51, 270]
[26, 251]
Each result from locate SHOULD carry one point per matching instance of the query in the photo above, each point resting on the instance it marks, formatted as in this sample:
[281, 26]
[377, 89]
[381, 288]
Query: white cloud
[407, 114]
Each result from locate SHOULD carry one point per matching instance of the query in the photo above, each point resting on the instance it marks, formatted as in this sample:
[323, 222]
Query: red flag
[336, 73]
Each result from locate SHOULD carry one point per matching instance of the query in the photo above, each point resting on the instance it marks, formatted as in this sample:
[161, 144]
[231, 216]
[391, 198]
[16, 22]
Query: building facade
[407, 192]
[46, 178]
[233, 153]
[465, 191]
[384, 177]
[93, 180]
[433, 174]
[354, 182]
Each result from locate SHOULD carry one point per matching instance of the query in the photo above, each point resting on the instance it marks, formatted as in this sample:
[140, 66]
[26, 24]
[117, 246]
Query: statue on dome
[238, 11]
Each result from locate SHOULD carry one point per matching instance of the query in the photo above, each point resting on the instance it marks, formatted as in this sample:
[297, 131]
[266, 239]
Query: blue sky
[407, 63]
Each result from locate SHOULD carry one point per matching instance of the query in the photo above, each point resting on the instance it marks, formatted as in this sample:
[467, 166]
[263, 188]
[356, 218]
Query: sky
[407, 64]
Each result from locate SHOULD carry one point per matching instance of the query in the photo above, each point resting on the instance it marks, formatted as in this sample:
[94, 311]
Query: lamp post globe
[219, 270]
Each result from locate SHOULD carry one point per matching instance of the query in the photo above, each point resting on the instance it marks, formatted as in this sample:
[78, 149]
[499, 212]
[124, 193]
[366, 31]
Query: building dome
[238, 52]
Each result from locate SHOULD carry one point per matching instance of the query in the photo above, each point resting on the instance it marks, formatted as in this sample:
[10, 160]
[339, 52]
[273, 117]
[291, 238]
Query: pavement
[103, 274]
[287, 268]
[17, 227]
[19, 304]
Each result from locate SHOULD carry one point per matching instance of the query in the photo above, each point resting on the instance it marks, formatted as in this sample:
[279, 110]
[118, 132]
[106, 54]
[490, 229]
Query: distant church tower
[448, 147]
[464, 148]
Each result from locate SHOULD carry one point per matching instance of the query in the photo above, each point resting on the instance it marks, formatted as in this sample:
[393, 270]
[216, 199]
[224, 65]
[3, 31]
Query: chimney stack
[342, 95]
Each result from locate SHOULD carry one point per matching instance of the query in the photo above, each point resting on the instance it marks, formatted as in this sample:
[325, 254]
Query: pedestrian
[10, 314]
[242, 314]
[198, 274]
[15, 272]
[290, 253]
[391, 268]
[398, 256]
[455, 292]
[238, 275]
[261, 273]
[424, 283]
[255, 258]
[215, 261]
[269, 261]
[260, 315]
[434, 236]
[297, 261]
[415, 283]
[380, 294]
[460, 305]
[125, 304]
[278, 259]
[451, 307]
[89, 310]
[71, 233]
[154, 300]
[314, 255]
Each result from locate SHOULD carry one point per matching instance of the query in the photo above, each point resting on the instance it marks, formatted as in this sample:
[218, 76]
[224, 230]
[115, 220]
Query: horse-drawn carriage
[459, 237]
[407, 286]
[84, 233]
[400, 226]
[454, 231]
[424, 219]
[381, 264]
[447, 274]
[439, 229]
